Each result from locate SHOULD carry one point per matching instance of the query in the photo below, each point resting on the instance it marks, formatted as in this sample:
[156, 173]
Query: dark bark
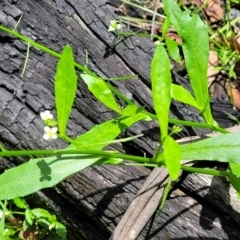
[92, 202]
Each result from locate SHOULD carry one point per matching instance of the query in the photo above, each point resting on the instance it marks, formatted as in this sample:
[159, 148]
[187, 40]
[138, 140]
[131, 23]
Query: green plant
[25, 223]
[87, 149]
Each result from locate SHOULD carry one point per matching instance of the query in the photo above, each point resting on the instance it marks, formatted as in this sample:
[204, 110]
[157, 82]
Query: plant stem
[212, 172]
[91, 153]
[142, 161]
[143, 8]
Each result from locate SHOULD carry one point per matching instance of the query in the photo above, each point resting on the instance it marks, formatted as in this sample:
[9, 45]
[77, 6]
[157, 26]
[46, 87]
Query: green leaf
[164, 197]
[223, 148]
[20, 203]
[235, 168]
[132, 109]
[29, 216]
[65, 88]
[42, 213]
[100, 135]
[3, 210]
[172, 157]
[235, 181]
[161, 87]
[101, 91]
[41, 173]
[174, 12]
[165, 26]
[173, 49]
[61, 230]
[195, 46]
[180, 94]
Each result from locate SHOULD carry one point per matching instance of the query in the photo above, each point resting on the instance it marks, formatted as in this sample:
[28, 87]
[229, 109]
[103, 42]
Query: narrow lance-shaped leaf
[161, 87]
[180, 94]
[100, 135]
[131, 110]
[195, 46]
[65, 88]
[165, 25]
[173, 49]
[101, 91]
[174, 12]
[172, 157]
[223, 148]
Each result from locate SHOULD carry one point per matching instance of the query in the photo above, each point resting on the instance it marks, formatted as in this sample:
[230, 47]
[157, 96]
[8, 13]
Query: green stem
[212, 172]
[143, 8]
[225, 28]
[91, 153]
[119, 78]
[2, 148]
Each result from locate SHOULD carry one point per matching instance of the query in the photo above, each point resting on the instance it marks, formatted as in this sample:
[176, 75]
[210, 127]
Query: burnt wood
[92, 202]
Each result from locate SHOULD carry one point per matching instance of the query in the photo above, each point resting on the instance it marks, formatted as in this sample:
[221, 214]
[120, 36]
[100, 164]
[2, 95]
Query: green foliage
[195, 45]
[165, 26]
[223, 148]
[101, 135]
[39, 222]
[161, 87]
[173, 12]
[235, 168]
[101, 91]
[3, 211]
[180, 94]
[172, 157]
[42, 173]
[65, 88]
[173, 49]
[86, 150]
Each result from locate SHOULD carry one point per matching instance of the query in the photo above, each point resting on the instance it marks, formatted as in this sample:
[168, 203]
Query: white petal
[46, 115]
[42, 115]
[54, 130]
[49, 115]
[54, 136]
[47, 129]
[46, 136]
[110, 29]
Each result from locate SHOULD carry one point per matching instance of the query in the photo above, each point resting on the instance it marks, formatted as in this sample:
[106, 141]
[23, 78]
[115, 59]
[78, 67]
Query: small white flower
[157, 42]
[46, 115]
[114, 25]
[50, 133]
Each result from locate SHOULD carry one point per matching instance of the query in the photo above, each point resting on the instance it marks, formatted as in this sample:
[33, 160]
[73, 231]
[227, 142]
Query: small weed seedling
[25, 223]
